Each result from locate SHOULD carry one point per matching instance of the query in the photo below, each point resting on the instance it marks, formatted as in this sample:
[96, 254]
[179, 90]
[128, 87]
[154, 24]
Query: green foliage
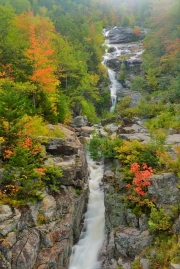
[78, 191]
[166, 248]
[138, 83]
[103, 104]
[13, 106]
[123, 105]
[63, 109]
[25, 176]
[52, 177]
[159, 219]
[103, 147]
[122, 74]
[94, 148]
[88, 110]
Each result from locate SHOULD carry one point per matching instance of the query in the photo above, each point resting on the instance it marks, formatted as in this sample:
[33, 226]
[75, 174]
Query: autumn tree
[40, 52]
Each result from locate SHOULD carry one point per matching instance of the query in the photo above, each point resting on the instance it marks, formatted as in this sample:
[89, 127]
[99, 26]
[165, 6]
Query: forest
[51, 71]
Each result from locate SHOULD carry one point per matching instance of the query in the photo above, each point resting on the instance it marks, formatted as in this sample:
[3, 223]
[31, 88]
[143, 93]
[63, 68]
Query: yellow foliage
[129, 152]
[35, 126]
[152, 79]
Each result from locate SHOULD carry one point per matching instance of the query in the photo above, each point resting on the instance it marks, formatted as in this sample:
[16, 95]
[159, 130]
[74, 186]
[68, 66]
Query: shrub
[138, 83]
[129, 152]
[103, 147]
[25, 176]
[159, 219]
[141, 177]
[88, 110]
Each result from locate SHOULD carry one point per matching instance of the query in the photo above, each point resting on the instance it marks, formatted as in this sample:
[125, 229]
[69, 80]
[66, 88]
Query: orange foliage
[40, 171]
[141, 177]
[40, 32]
[137, 32]
[6, 71]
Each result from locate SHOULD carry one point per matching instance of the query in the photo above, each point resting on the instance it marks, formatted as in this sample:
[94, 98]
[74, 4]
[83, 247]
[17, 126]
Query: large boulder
[79, 121]
[120, 35]
[129, 242]
[164, 189]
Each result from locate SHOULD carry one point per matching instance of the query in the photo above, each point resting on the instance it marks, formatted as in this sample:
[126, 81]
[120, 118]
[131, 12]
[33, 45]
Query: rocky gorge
[41, 236]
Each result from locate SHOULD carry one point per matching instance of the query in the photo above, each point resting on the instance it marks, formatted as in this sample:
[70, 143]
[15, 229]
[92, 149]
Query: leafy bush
[138, 83]
[103, 147]
[25, 176]
[88, 110]
[159, 219]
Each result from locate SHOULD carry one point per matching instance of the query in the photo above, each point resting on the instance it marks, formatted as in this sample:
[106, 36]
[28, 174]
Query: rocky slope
[40, 236]
[126, 234]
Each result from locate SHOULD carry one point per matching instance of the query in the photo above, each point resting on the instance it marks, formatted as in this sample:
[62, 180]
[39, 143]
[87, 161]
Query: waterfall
[114, 84]
[85, 253]
[113, 88]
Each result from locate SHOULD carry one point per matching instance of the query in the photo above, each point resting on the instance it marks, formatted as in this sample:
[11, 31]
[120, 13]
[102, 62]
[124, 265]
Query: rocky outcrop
[40, 236]
[79, 121]
[164, 189]
[121, 34]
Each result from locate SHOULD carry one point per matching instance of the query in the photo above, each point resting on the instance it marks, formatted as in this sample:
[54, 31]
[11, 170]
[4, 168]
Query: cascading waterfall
[85, 253]
[113, 88]
[115, 85]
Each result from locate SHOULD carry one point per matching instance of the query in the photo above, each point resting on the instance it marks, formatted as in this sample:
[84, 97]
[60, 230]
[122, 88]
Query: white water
[115, 85]
[113, 88]
[131, 51]
[85, 253]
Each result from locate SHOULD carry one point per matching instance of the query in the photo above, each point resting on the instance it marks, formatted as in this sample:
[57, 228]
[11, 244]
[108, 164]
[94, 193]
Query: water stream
[115, 85]
[85, 253]
[129, 51]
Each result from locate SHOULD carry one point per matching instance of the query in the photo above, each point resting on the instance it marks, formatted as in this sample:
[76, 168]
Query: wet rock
[114, 64]
[108, 176]
[121, 35]
[111, 49]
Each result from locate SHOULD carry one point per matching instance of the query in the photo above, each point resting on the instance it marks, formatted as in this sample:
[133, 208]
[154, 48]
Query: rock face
[164, 189]
[126, 234]
[41, 236]
[121, 35]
